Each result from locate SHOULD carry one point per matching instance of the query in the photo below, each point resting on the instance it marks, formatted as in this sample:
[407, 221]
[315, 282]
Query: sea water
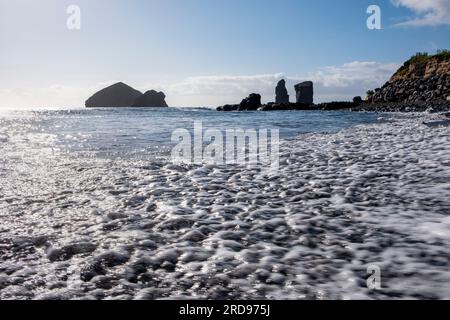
[92, 207]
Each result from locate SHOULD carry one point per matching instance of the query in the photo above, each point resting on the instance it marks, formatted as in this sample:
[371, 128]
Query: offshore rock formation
[151, 99]
[251, 103]
[422, 78]
[305, 92]
[281, 93]
[329, 106]
[122, 95]
[117, 95]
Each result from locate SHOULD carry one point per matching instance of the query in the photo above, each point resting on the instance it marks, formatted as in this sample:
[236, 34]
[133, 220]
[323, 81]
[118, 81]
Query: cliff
[422, 66]
[423, 78]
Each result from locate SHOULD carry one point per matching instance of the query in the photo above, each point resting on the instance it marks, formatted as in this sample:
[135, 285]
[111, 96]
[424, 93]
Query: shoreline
[431, 107]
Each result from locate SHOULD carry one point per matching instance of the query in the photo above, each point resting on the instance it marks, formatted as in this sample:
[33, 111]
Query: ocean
[128, 132]
[91, 207]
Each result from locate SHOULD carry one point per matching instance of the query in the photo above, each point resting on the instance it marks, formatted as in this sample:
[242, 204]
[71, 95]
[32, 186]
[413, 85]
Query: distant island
[122, 95]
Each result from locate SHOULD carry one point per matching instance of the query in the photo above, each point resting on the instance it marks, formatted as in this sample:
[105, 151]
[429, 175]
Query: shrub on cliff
[421, 59]
[443, 55]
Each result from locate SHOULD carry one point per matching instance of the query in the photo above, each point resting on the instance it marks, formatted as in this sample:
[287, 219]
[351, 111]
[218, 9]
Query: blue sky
[205, 53]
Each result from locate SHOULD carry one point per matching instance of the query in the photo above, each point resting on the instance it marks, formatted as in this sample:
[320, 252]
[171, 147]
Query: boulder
[252, 102]
[305, 92]
[228, 107]
[357, 100]
[281, 93]
[414, 90]
[151, 99]
[117, 95]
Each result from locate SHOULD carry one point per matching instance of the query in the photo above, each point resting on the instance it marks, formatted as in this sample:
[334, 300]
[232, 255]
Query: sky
[208, 53]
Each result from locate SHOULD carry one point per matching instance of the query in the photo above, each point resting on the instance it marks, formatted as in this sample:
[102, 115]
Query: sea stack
[151, 99]
[305, 92]
[122, 95]
[117, 95]
[281, 93]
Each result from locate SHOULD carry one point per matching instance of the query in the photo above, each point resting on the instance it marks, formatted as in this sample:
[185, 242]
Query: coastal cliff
[423, 78]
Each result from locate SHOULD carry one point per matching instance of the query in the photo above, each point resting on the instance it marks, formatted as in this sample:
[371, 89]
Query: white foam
[373, 194]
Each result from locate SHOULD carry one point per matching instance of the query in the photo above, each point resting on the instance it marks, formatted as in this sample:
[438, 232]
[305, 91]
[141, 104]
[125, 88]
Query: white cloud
[217, 90]
[427, 12]
[349, 80]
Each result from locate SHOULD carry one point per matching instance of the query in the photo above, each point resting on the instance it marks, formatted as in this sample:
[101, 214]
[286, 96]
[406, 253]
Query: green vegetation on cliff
[422, 59]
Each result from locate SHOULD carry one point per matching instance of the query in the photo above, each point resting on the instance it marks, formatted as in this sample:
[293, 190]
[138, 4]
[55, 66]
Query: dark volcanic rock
[229, 107]
[419, 106]
[305, 92]
[335, 105]
[117, 95]
[423, 78]
[357, 100]
[151, 99]
[281, 93]
[434, 88]
[251, 103]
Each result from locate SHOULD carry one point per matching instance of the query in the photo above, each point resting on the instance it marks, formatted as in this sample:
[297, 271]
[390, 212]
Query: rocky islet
[122, 95]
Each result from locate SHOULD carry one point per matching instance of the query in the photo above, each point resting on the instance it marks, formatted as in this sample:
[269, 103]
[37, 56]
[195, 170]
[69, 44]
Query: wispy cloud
[426, 12]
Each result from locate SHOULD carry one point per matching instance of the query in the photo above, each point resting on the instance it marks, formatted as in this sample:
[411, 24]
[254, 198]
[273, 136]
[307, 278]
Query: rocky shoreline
[431, 107]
